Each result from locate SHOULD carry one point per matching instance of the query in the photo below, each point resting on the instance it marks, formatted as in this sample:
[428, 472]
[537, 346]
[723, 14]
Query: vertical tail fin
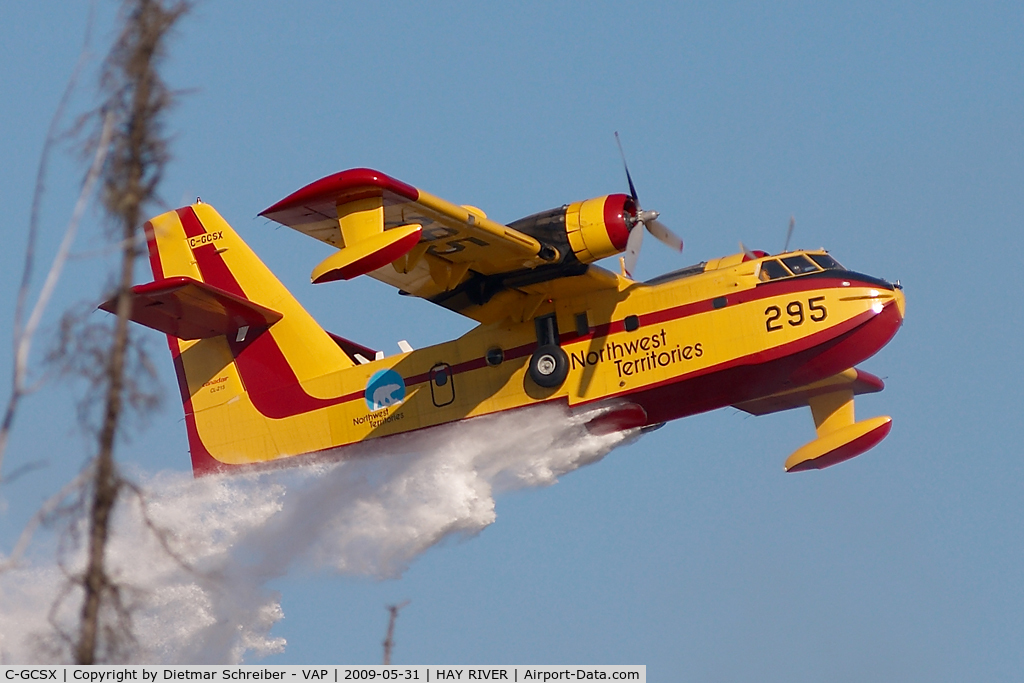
[267, 367]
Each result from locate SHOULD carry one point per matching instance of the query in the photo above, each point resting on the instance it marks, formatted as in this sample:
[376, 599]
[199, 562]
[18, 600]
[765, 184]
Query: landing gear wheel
[549, 366]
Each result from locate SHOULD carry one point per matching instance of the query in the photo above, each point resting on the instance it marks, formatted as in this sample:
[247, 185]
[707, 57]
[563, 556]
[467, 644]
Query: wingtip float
[262, 383]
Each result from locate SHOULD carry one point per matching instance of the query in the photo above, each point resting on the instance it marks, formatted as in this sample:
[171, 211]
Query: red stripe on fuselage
[762, 291]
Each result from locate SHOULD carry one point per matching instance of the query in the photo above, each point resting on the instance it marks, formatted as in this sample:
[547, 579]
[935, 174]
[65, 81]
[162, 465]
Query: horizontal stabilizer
[188, 309]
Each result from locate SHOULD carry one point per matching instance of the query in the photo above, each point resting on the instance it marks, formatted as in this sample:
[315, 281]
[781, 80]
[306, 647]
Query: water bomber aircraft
[263, 384]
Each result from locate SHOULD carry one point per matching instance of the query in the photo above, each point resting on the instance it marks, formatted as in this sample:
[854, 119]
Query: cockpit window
[772, 270]
[826, 261]
[800, 264]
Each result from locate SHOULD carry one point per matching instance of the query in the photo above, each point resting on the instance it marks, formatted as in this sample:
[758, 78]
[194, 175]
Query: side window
[826, 261]
[800, 264]
[772, 270]
[442, 385]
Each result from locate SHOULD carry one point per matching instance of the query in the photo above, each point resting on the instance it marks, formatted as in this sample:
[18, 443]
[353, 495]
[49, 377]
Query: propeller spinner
[648, 219]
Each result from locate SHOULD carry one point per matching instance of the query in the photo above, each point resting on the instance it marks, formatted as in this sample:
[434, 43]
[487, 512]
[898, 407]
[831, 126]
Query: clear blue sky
[894, 132]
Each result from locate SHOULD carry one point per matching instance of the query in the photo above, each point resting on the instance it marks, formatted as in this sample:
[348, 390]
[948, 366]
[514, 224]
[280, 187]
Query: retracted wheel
[549, 366]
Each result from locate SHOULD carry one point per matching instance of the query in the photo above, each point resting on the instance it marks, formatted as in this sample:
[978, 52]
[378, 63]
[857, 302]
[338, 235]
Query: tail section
[196, 242]
[249, 358]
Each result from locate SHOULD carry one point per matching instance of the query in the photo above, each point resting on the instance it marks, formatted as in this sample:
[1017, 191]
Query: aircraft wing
[425, 246]
[857, 381]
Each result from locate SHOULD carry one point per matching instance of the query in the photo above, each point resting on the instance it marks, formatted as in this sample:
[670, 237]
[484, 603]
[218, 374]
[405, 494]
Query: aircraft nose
[901, 301]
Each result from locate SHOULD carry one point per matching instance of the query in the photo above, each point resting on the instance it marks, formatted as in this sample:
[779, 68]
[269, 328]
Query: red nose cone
[619, 215]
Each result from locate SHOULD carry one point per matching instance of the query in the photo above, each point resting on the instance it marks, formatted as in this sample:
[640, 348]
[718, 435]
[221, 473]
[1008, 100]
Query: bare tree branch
[26, 335]
[389, 642]
[128, 153]
[23, 336]
[139, 98]
[52, 135]
[47, 509]
[163, 536]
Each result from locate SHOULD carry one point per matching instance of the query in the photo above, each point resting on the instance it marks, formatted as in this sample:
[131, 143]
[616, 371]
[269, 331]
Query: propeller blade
[662, 233]
[789, 233]
[633, 243]
[749, 254]
[629, 179]
[650, 222]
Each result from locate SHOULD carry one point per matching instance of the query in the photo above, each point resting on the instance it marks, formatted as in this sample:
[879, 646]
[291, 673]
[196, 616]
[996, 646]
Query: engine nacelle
[599, 227]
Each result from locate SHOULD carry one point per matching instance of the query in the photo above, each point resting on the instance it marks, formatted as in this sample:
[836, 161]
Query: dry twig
[139, 98]
[24, 334]
[389, 642]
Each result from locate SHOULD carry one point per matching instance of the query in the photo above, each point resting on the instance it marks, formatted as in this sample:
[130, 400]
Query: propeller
[749, 254]
[789, 233]
[650, 222]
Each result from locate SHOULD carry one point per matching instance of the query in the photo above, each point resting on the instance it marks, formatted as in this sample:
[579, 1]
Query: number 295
[795, 315]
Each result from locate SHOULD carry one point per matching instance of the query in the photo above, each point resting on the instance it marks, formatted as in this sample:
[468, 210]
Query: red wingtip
[339, 188]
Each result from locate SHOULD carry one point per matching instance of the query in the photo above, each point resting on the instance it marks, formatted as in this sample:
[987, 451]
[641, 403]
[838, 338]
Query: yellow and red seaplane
[262, 382]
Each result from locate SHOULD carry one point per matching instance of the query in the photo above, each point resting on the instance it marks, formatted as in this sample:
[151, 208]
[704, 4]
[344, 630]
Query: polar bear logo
[385, 388]
[385, 396]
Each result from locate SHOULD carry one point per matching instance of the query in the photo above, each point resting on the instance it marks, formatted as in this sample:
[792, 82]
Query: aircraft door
[442, 384]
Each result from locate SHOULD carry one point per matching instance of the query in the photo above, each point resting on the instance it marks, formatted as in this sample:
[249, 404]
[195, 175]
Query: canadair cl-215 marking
[261, 382]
